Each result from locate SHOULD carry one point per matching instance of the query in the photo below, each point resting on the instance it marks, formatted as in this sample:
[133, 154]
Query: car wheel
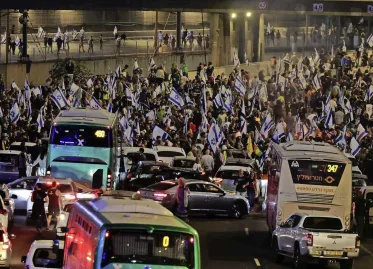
[237, 211]
[346, 264]
[298, 260]
[277, 257]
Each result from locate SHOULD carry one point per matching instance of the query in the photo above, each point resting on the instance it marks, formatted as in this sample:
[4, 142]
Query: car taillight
[49, 170]
[129, 175]
[160, 195]
[5, 246]
[6, 241]
[309, 240]
[3, 212]
[109, 180]
[357, 242]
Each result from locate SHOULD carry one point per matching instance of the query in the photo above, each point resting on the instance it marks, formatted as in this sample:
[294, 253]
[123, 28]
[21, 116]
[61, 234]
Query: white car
[227, 175]
[62, 221]
[306, 238]
[23, 188]
[167, 154]
[354, 164]
[65, 186]
[5, 247]
[42, 255]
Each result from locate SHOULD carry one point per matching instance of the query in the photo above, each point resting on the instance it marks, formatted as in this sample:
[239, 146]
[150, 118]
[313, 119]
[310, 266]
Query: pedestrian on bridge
[81, 43]
[90, 45]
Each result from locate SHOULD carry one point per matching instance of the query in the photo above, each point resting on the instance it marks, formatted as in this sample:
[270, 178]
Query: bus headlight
[347, 218]
[279, 213]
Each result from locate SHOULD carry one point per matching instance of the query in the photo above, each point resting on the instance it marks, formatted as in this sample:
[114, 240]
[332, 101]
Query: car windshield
[162, 186]
[63, 188]
[170, 154]
[78, 135]
[134, 156]
[162, 248]
[8, 158]
[228, 174]
[184, 163]
[322, 223]
[46, 258]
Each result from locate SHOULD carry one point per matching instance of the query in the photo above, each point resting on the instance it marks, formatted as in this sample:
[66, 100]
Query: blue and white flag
[344, 48]
[110, 107]
[17, 41]
[76, 101]
[151, 115]
[203, 75]
[218, 100]
[27, 89]
[58, 34]
[279, 132]
[236, 60]
[240, 86]
[151, 63]
[115, 31]
[361, 47]
[74, 88]
[40, 120]
[267, 125]
[128, 93]
[36, 91]
[213, 137]
[341, 138]
[14, 113]
[159, 132]
[135, 65]
[243, 123]
[93, 103]
[316, 82]
[203, 101]
[176, 99]
[118, 72]
[59, 98]
[189, 101]
[74, 34]
[228, 105]
[354, 146]
[123, 123]
[360, 132]
[41, 32]
[369, 93]
[370, 40]
[128, 135]
[329, 120]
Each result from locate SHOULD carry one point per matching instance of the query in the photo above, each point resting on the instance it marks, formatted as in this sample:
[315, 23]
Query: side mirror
[23, 259]
[12, 236]
[13, 196]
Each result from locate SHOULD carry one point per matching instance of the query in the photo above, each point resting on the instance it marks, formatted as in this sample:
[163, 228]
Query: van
[42, 254]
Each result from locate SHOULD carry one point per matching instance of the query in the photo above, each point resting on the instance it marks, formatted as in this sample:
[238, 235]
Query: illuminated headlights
[62, 216]
[279, 213]
[347, 218]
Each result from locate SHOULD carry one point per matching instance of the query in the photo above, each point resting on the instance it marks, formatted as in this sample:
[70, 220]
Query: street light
[234, 15]
[248, 14]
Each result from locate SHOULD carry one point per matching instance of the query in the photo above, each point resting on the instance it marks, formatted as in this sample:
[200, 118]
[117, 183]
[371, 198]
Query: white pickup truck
[308, 238]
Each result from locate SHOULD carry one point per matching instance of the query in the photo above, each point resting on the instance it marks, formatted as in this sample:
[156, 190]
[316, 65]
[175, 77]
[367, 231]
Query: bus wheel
[237, 211]
[277, 257]
[346, 264]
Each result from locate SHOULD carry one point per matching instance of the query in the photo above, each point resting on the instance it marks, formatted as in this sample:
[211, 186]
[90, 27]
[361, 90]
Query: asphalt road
[225, 244]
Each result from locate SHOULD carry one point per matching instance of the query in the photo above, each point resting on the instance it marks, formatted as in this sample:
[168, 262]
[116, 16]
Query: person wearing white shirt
[66, 40]
[41, 160]
[197, 166]
[160, 38]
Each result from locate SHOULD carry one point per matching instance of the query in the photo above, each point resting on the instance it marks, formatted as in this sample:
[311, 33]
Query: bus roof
[310, 150]
[86, 115]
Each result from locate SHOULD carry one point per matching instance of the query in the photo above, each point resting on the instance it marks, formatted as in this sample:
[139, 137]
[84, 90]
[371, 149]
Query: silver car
[204, 197]
[23, 188]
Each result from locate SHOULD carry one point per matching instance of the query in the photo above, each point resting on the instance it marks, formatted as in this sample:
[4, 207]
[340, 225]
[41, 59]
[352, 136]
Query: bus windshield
[79, 135]
[141, 247]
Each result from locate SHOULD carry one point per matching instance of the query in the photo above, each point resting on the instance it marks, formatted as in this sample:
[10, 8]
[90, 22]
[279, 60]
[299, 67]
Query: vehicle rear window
[162, 186]
[228, 174]
[169, 154]
[151, 169]
[322, 223]
[238, 155]
[8, 158]
[163, 248]
[44, 257]
[64, 188]
[184, 163]
[135, 155]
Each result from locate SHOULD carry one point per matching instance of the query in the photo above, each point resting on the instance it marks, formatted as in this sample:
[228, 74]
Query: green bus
[83, 146]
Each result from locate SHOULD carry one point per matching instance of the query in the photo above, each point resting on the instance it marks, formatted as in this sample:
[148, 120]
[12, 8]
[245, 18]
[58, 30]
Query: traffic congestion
[119, 170]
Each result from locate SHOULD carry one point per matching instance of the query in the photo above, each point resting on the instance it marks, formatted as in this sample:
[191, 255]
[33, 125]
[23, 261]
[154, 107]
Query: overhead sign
[318, 7]
[263, 5]
[370, 9]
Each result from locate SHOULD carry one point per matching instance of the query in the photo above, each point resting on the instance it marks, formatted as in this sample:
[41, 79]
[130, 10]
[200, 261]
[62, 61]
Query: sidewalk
[366, 248]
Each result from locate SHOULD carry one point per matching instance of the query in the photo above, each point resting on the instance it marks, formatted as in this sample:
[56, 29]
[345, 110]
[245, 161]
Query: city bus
[128, 232]
[308, 177]
[83, 146]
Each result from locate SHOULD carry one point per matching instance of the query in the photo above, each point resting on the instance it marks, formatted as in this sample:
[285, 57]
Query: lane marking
[367, 250]
[257, 262]
[247, 231]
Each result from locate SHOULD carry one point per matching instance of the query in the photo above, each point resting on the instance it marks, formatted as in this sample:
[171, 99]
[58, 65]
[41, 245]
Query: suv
[65, 186]
[5, 247]
[43, 255]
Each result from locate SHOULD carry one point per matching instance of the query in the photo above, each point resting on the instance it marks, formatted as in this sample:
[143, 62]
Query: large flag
[267, 125]
[360, 132]
[115, 32]
[27, 89]
[236, 60]
[240, 86]
[14, 113]
[370, 40]
[128, 135]
[151, 63]
[218, 100]
[59, 98]
[41, 32]
[159, 132]
[93, 103]
[213, 137]
[279, 133]
[40, 120]
[118, 72]
[354, 146]
[176, 99]
[329, 120]
[316, 82]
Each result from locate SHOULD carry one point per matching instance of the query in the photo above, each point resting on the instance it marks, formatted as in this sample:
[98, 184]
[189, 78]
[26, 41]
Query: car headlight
[62, 216]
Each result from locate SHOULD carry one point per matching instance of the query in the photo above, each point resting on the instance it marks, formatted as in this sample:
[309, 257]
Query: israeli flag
[341, 138]
[128, 135]
[213, 137]
[110, 107]
[370, 40]
[240, 86]
[118, 72]
[329, 120]
[189, 101]
[151, 115]
[348, 107]
[128, 93]
[279, 132]
[93, 103]
[74, 34]
[76, 101]
[151, 63]
[17, 41]
[218, 100]
[157, 131]
[316, 82]
[302, 81]
[360, 132]
[369, 93]
[361, 47]
[176, 99]
[41, 32]
[14, 114]
[89, 83]
[74, 88]
[228, 105]
[40, 120]
[58, 34]
[304, 132]
[267, 125]
[36, 91]
[115, 31]
[59, 98]
[243, 125]
[123, 123]
[203, 75]
[236, 60]
[3, 38]
[354, 146]
[27, 89]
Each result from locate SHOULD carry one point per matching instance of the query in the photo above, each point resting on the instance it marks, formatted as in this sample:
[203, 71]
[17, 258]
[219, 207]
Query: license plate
[333, 253]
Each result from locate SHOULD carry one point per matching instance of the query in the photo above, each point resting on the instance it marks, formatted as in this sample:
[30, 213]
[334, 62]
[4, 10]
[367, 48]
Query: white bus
[308, 177]
[122, 232]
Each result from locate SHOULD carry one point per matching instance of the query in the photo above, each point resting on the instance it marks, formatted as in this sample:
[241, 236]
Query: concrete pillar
[307, 23]
[214, 39]
[241, 38]
[227, 40]
[261, 41]
[178, 30]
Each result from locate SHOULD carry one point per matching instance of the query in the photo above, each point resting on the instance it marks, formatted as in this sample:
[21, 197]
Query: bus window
[157, 248]
[88, 136]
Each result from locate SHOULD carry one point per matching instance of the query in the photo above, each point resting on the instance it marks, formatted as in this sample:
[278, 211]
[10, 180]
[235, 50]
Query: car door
[284, 235]
[215, 200]
[23, 189]
[294, 231]
[197, 197]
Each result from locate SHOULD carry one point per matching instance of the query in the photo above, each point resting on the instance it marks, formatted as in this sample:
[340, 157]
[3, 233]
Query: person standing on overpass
[160, 39]
[101, 43]
[90, 45]
[81, 43]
